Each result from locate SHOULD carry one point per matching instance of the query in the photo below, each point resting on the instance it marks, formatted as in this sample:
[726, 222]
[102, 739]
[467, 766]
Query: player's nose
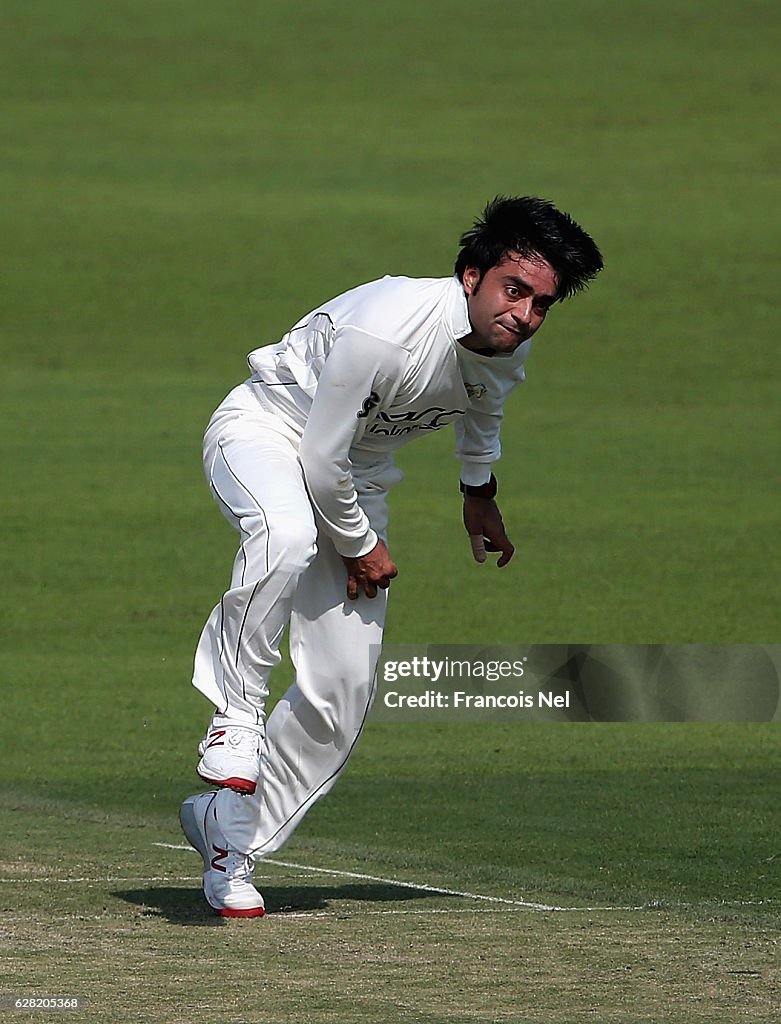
[523, 311]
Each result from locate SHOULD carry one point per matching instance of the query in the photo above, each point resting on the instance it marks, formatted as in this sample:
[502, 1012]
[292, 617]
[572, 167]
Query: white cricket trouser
[285, 572]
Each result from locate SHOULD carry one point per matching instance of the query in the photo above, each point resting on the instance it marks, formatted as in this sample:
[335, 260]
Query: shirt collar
[458, 310]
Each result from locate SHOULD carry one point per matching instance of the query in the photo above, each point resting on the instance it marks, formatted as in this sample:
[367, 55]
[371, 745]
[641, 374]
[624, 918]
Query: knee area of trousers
[292, 542]
[344, 686]
[337, 709]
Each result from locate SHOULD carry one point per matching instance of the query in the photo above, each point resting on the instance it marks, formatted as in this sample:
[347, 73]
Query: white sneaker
[230, 758]
[227, 875]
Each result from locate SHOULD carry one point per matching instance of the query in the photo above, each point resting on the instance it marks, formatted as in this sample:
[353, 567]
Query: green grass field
[179, 183]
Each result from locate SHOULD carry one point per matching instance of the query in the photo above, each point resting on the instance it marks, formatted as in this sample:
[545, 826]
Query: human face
[509, 303]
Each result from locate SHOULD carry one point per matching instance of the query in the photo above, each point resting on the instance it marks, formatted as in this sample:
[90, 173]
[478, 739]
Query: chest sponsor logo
[368, 404]
[395, 424]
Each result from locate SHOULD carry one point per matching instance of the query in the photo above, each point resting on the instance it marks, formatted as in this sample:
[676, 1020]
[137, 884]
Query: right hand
[483, 522]
[369, 572]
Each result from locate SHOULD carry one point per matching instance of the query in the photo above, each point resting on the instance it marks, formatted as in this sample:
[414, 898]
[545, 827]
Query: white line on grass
[50, 879]
[421, 912]
[501, 905]
[419, 886]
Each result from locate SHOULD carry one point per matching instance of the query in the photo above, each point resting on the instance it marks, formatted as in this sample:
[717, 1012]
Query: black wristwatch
[487, 490]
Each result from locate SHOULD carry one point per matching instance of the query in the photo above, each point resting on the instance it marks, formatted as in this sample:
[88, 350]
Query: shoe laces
[242, 741]
[238, 867]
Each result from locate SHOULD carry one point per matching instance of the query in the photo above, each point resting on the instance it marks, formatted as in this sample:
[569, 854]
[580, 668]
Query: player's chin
[509, 336]
[506, 342]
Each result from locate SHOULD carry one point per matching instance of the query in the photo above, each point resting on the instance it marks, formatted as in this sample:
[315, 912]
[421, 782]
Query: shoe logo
[220, 855]
[215, 739]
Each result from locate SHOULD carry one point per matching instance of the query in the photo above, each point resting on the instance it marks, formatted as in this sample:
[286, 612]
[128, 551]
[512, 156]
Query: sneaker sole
[244, 786]
[194, 836]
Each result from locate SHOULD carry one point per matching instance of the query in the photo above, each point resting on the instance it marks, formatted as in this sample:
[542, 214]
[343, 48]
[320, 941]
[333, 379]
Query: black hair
[531, 227]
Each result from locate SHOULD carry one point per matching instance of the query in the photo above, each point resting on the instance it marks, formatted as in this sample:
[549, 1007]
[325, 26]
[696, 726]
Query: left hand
[483, 522]
[370, 572]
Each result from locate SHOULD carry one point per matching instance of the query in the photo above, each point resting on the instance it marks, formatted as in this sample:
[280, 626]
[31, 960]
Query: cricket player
[300, 459]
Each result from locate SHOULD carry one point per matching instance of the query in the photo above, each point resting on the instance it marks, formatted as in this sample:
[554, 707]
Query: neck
[471, 343]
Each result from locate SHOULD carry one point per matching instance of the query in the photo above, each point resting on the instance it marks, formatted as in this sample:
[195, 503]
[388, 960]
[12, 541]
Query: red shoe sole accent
[238, 785]
[254, 912]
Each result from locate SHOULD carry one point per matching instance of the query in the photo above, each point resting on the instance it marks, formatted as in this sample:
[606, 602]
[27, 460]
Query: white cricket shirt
[371, 370]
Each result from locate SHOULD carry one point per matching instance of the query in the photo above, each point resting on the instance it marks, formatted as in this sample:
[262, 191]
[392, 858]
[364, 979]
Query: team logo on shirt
[476, 391]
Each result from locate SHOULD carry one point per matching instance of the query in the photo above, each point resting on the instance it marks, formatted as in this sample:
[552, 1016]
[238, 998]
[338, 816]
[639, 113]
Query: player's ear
[471, 280]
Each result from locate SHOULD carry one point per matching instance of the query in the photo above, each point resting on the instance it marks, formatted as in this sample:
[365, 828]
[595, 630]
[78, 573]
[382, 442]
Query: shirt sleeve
[361, 373]
[478, 445]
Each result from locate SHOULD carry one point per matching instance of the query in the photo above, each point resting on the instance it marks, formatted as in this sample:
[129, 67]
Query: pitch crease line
[50, 879]
[420, 886]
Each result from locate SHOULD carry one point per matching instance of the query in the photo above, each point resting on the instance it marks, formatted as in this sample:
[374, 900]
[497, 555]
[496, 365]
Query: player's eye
[512, 291]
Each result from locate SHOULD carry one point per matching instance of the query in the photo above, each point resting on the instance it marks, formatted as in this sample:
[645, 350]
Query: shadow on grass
[188, 907]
